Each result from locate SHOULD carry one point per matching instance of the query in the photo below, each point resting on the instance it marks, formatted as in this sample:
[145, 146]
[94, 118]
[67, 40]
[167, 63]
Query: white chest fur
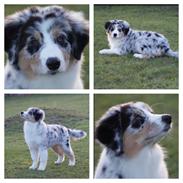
[148, 163]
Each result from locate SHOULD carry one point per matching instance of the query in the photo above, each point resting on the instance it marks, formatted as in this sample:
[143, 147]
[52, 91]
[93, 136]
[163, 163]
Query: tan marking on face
[133, 143]
[58, 149]
[37, 36]
[55, 32]
[25, 62]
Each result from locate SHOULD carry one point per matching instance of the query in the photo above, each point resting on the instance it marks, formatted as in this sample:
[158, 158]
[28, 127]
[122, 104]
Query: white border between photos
[91, 91]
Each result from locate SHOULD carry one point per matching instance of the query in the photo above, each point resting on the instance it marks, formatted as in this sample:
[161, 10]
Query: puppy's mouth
[53, 72]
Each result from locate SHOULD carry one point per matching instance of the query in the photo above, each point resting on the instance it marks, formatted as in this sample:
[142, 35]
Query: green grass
[69, 110]
[127, 72]
[161, 103]
[10, 9]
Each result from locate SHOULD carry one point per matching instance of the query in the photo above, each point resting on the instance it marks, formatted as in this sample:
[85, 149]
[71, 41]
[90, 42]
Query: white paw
[104, 51]
[41, 168]
[71, 163]
[32, 167]
[137, 55]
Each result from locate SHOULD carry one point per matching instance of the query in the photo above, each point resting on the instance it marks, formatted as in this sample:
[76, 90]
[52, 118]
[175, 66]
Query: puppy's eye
[137, 122]
[61, 39]
[30, 113]
[112, 29]
[119, 30]
[33, 45]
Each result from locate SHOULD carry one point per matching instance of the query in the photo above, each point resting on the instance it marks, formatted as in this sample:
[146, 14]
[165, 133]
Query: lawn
[127, 72]
[10, 9]
[161, 103]
[69, 110]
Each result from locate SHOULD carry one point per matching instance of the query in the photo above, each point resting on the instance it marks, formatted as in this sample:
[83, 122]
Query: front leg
[35, 158]
[43, 158]
[110, 52]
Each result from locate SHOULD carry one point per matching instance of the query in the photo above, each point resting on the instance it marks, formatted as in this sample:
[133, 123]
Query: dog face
[33, 114]
[117, 28]
[45, 40]
[127, 128]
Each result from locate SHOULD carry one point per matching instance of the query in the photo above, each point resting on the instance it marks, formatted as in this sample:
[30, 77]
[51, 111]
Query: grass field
[10, 9]
[161, 103]
[69, 110]
[127, 72]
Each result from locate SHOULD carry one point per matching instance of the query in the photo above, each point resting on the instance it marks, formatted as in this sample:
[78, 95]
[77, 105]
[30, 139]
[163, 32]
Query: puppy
[143, 44]
[129, 133]
[45, 47]
[39, 137]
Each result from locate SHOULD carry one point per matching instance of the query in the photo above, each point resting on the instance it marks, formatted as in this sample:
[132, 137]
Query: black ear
[38, 115]
[11, 33]
[109, 133]
[125, 30]
[81, 39]
[107, 24]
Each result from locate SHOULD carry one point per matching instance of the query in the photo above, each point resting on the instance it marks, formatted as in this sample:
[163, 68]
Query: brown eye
[30, 113]
[137, 122]
[61, 40]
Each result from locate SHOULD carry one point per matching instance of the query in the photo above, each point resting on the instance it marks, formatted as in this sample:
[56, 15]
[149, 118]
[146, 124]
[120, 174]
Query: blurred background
[161, 103]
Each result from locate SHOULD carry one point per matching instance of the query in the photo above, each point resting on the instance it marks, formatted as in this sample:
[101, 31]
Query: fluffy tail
[172, 53]
[77, 134]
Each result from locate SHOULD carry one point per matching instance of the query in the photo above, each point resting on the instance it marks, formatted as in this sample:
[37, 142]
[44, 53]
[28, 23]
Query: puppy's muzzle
[167, 119]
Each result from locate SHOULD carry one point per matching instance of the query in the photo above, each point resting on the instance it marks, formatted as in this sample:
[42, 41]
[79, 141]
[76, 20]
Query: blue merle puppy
[39, 137]
[143, 44]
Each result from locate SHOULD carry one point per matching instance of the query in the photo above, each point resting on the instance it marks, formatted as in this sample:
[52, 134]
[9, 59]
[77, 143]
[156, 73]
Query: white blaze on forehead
[50, 48]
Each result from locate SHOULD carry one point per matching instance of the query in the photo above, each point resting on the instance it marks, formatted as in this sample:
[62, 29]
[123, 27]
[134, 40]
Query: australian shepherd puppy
[40, 136]
[44, 47]
[129, 133]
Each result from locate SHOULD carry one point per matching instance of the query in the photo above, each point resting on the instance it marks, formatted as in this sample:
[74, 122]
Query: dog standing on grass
[143, 44]
[39, 137]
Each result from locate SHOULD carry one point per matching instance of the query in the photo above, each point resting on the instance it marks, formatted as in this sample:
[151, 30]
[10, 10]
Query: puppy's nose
[115, 35]
[53, 63]
[21, 113]
[167, 118]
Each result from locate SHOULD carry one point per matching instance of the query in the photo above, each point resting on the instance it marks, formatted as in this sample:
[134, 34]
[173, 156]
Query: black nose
[167, 118]
[53, 63]
[114, 34]
[21, 113]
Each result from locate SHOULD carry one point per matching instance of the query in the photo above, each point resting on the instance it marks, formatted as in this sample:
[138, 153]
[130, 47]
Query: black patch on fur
[80, 40]
[37, 115]
[67, 144]
[149, 34]
[144, 46]
[125, 30]
[140, 33]
[119, 176]
[149, 46]
[104, 168]
[166, 50]
[107, 24]
[33, 46]
[34, 10]
[157, 35]
[113, 125]
[50, 15]
[138, 121]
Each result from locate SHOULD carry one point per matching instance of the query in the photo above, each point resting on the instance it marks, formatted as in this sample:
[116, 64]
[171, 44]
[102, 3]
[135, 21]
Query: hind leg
[69, 152]
[58, 149]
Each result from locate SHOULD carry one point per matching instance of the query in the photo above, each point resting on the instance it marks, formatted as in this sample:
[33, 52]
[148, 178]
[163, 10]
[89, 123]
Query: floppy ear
[125, 30]
[109, 133]
[107, 24]
[81, 39]
[39, 115]
[126, 27]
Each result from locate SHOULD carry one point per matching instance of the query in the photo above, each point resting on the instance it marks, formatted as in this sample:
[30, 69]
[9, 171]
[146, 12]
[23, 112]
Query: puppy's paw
[41, 168]
[71, 163]
[32, 167]
[104, 51]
